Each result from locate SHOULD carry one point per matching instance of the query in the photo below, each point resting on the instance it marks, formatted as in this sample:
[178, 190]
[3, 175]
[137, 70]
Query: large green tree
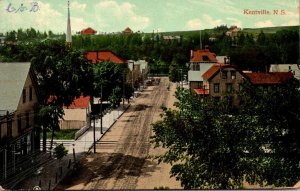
[62, 75]
[211, 146]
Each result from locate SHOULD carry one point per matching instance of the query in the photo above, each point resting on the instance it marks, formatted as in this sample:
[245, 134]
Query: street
[122, 155]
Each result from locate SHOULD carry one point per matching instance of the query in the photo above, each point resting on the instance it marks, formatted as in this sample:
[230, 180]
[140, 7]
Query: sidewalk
[50, 174]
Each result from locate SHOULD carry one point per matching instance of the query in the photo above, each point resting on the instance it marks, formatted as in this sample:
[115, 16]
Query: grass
[65, 134]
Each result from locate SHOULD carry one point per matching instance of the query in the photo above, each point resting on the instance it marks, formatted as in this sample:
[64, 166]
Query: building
[200, 62]
[138, 72]
[76, 115]
[223, 80]
[127, 31]
[19, 137]
[266, 79]
[88, 31]
[170, 39]
[104, 55]
[233, 31]
[294, 68]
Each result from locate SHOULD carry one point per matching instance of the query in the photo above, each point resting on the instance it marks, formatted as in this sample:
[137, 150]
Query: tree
[62, 75]
[108, 75]
[60, 151]
[212, 147]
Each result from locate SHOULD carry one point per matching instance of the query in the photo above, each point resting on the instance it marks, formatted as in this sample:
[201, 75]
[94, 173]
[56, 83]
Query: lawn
[65, 134]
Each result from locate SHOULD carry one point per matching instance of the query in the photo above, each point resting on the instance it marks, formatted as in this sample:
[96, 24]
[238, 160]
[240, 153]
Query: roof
[294, 68]
[203, 55]
[88, 30]
[81, 102]
[101, 56]
[200, 91]
[212, 70]
[271, 78]
[127, 30]
[12, 80]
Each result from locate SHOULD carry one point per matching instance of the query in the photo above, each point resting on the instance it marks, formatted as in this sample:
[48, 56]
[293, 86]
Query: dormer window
[205, 58]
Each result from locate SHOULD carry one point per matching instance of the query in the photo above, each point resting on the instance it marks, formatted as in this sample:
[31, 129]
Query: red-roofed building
[271, 78]
[223, 80]
[104, 55]
[200, 62]
[127, 31]
[76, 115]
[88, 31]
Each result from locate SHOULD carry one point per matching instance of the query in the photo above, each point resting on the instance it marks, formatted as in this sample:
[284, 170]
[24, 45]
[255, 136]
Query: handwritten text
[33, 7]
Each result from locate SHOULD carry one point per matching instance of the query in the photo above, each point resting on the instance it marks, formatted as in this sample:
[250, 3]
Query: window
[224, 74]
[229, 88]
[205, 58]
[27, 119]
[30, 93]
[200, 84]
[19, 123]
[216, 88]
[24, 95]
[233, 74]
[195, 67]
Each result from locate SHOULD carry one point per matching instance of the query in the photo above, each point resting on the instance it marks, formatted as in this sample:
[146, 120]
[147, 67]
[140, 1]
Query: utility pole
[94, 134]
[123, 85]
[101, 109]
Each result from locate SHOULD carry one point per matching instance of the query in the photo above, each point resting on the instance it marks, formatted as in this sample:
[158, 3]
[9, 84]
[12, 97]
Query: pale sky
[145, 15]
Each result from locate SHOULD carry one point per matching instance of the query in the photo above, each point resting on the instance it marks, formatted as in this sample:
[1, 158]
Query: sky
[145, 15]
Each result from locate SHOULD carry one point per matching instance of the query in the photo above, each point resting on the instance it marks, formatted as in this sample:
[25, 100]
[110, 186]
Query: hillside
[246, 30]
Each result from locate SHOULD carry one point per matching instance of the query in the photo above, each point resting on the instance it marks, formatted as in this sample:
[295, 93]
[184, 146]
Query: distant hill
[246, 30]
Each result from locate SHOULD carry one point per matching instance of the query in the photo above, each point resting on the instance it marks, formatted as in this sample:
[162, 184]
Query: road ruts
[124, 165]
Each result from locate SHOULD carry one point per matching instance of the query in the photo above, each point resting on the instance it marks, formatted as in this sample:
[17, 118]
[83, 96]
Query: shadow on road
[104, 166]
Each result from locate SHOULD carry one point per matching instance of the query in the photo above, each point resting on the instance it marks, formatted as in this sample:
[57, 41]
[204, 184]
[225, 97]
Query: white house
[200, 62]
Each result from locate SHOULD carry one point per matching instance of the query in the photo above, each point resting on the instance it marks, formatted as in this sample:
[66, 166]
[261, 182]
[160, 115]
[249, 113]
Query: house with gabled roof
[127, 30]
[88, 31]
[19, 137]
[76, 114]
[223, 80]
[200, 62]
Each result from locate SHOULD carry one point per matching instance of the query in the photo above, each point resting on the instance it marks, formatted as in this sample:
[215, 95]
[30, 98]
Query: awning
[200, 91]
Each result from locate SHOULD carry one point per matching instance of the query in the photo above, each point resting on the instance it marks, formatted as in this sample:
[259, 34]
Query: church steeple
[69, 35]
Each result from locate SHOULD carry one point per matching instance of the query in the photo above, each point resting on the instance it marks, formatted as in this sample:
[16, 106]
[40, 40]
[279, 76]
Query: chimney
[192, 53]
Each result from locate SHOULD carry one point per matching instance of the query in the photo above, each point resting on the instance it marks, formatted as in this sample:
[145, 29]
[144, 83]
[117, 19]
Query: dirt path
[122, 159]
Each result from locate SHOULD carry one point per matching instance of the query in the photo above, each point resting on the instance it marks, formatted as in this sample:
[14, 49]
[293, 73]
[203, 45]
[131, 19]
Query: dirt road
[122, 160]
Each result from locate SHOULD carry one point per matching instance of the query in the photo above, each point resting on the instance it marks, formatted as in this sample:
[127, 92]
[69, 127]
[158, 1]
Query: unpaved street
[122, 160]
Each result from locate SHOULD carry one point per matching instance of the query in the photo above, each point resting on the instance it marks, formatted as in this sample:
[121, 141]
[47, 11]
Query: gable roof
[271, 78]
[81, 102]
[101, 56]
[88, 30]
[212, 71]
[203, 55]
[127, 30]
[12, 80]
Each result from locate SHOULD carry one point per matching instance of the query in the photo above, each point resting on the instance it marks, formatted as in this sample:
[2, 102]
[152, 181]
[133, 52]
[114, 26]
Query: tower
[69, 35]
